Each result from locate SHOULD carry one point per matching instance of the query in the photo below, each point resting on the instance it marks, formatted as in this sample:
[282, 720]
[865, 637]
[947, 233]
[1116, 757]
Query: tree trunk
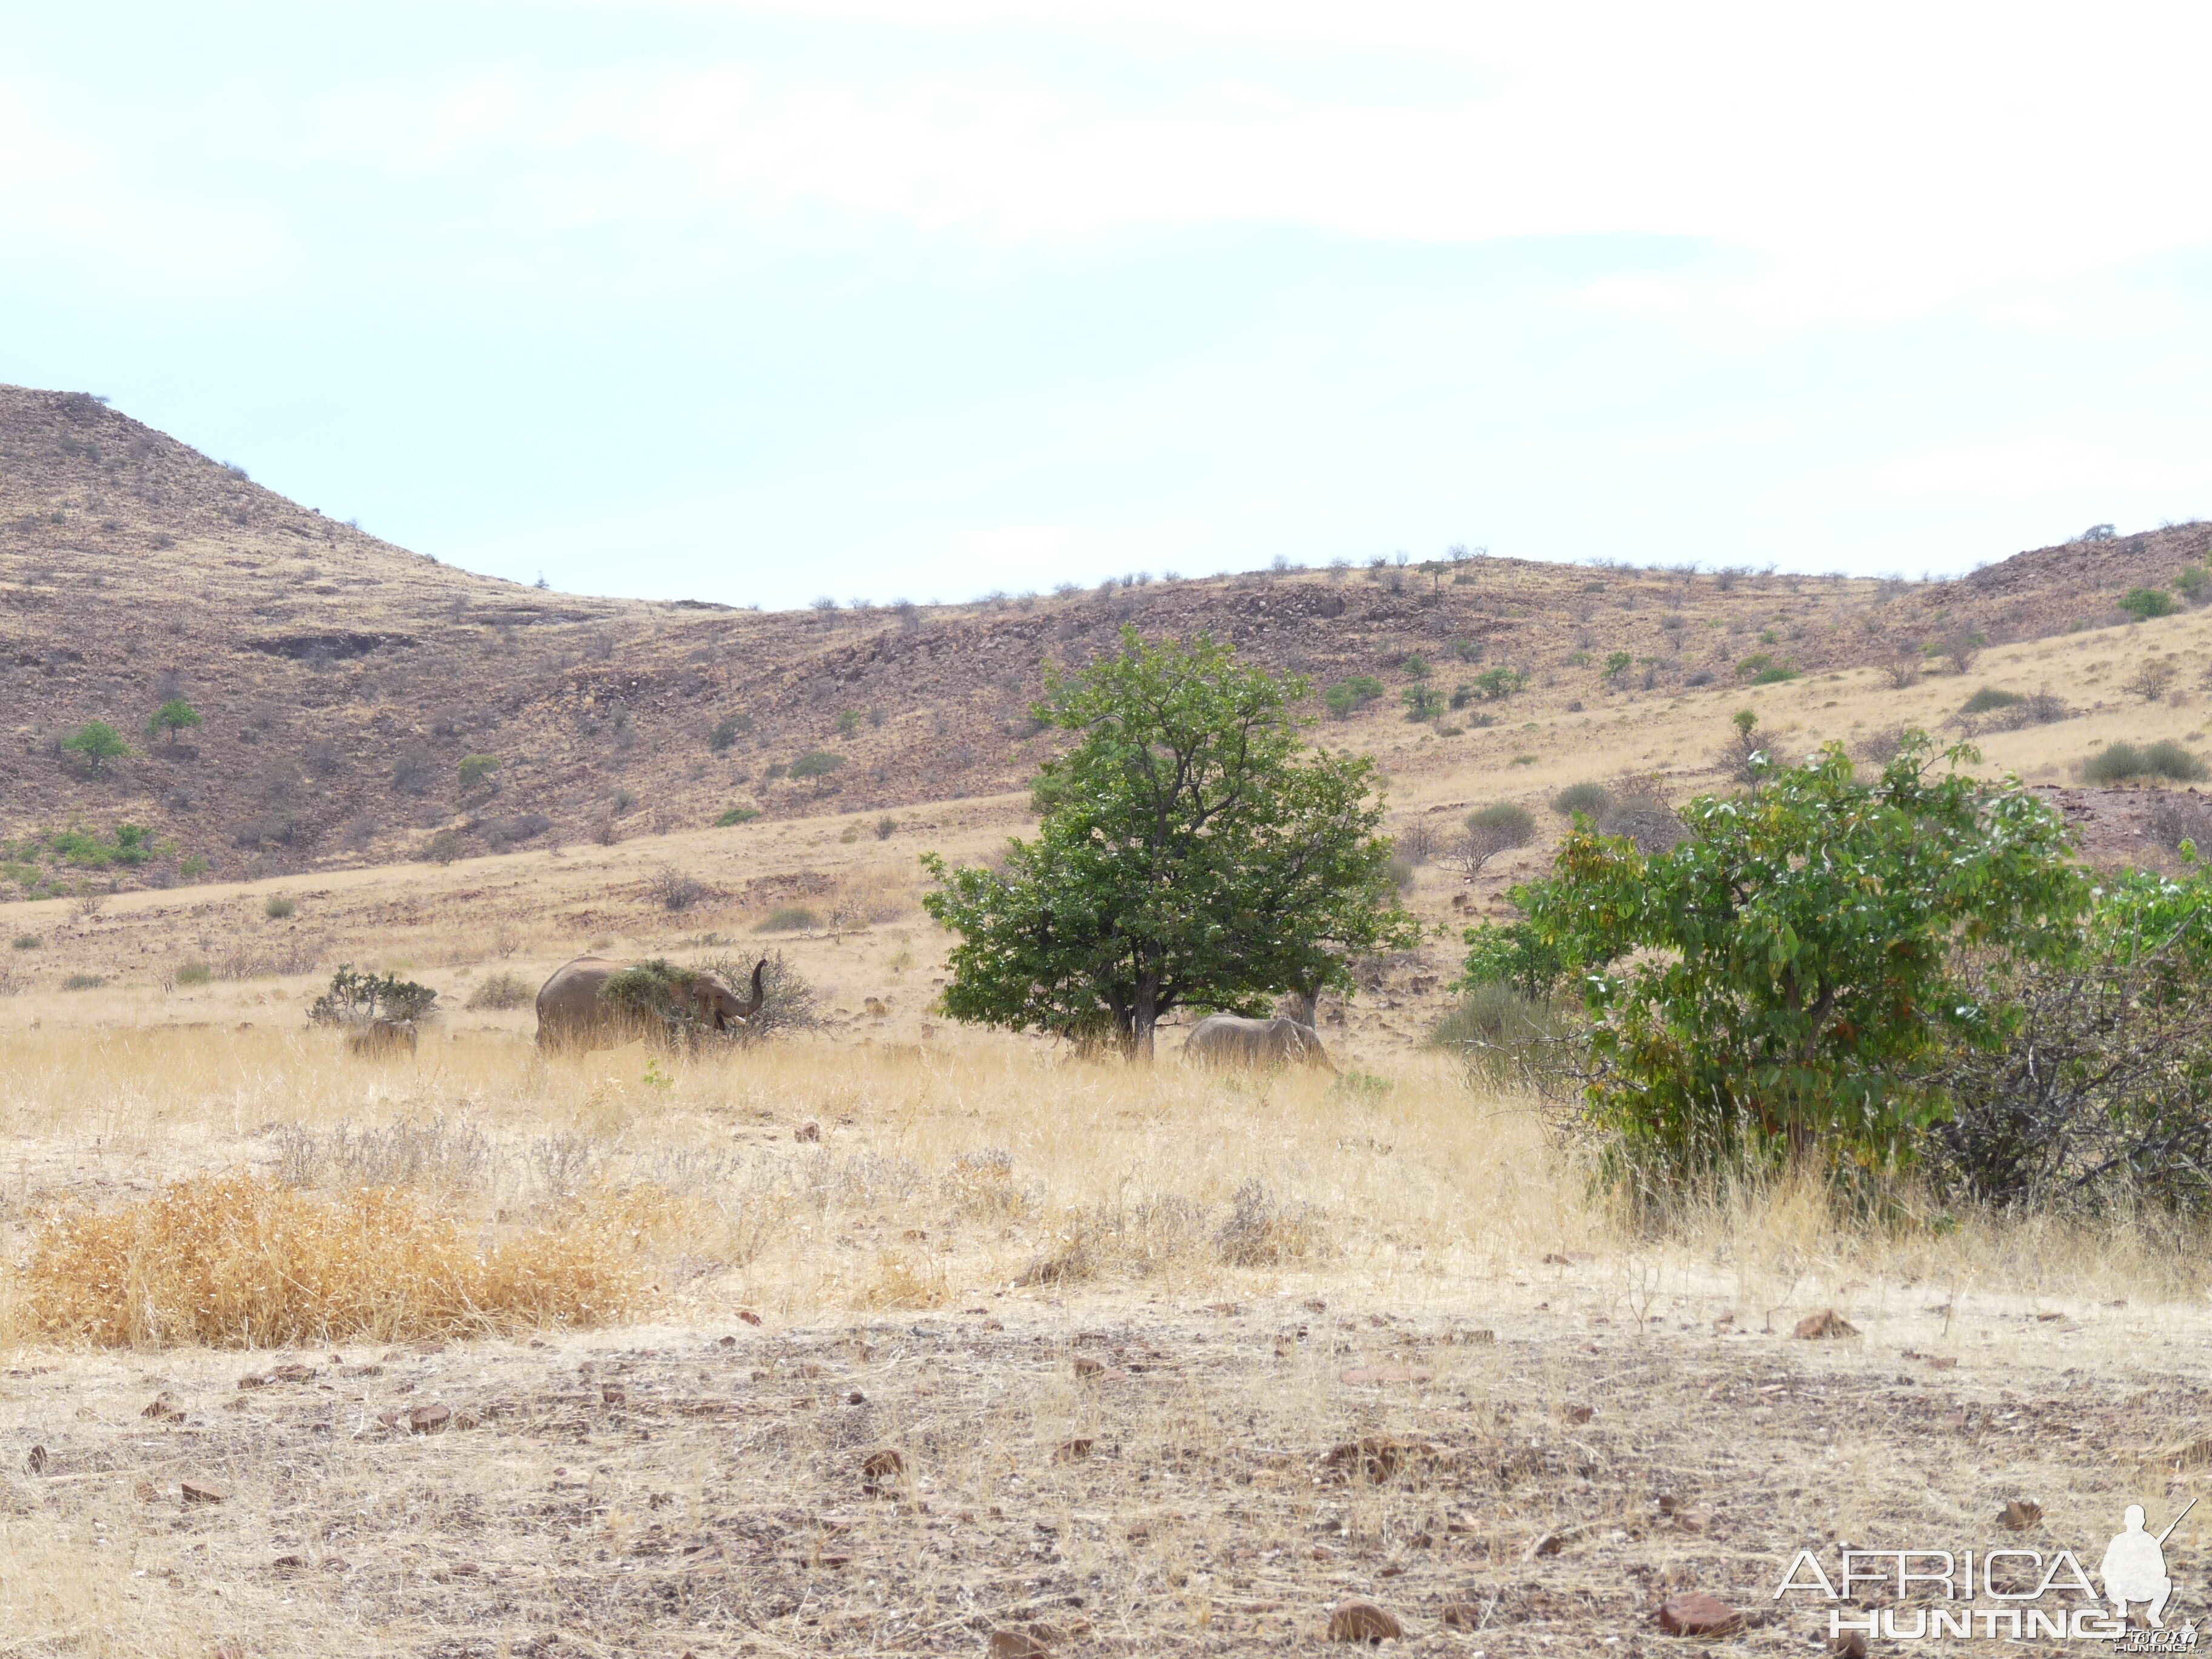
[1302, 1003]
[1143, 1017]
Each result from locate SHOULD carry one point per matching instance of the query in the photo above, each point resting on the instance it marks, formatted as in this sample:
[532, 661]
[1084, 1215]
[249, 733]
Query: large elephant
[1233, 1040]
[572, 1014]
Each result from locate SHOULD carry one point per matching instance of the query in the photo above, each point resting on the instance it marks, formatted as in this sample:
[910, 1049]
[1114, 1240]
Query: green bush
[356, 998]
[2144, 602]
[172, 717]
[1756, 664]
[1466, 650]
[1784, 982]
[2194, 583]
[2117, 762]
[84, 982]
[279, 908]
[1416, 667]
[1617, 663]
[1503, 818]
[1423, 701]
[1774, 675]
[788, 919]
[816, 764]
[736, 816]
[26, 941]
[1497, 683]
[1504, 1037]
[1347, 697]
[475, 770]
[1990, 698]
[98, 742]
[849, 722]
[1590, 799]
[194, 973]
[726, 732]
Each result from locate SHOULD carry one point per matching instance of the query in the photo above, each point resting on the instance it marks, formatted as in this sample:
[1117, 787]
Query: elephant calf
[573, 1011]
[1233, 1040]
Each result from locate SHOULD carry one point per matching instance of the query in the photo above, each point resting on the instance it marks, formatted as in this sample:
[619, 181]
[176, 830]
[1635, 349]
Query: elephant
[572, 1014]
[1234, 1040]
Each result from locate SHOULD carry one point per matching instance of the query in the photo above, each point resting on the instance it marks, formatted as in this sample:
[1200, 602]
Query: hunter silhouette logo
[1999, 1592]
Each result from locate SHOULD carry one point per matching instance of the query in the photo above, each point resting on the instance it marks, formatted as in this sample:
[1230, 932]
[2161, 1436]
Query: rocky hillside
[343, 684]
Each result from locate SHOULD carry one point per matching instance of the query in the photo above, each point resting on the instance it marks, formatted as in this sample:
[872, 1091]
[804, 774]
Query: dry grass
[242, 1262]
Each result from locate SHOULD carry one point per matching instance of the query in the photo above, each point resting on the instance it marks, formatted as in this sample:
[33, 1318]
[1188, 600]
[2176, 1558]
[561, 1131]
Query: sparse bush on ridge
[2119, 762]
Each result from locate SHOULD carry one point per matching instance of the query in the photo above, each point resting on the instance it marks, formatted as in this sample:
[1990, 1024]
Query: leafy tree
[172, 717]
[98, 742]
[477, 769]
[726, 732]
[1617, 663]
[356, 998]
[816, 764]
[1787, 978]
[849, 722]
[2194, 583]
[1497, 683]
[2144, 602]
[1423, 701]
[1416, 667]
[1193, 853]
[1347, 697]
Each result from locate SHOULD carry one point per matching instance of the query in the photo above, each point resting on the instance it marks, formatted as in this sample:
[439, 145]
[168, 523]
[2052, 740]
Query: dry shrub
[1262, 1233]
[906, 1279]
[238, 1260]
[1135, 1239]
[501, 991]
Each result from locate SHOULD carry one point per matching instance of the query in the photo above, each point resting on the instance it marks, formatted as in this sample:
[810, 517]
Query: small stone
[1086, 1366]
[1462, 1615]
[1362, 1622]
[1072, 1451]
[335, 1563]
[1694, 1613]
[1852, 1644]
[465, 1420]
[807, 1132]
[289, 1563]
[856, 1398]
[879, 1469]
[1945, 1363]
[164, 1410]
[1694, 1520]
[253, 1380]
[1017, 1644]
[1823, 1325]
[199, 1491]
[2019, 1514]
[1372, 1457]
[750, 1317]
[427, 1419]
[389, 1419]
[293, 1374]
[146, 1491]
[612, 1397]
[35, 1460]
[1576, 1413]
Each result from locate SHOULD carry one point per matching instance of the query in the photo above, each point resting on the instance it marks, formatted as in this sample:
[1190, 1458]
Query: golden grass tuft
[240, 1261]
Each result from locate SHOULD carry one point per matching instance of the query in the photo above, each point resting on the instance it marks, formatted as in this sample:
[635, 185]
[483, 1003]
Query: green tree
[1423, 701]
[816, 764]
[1347, 697]
[172, 717]
[2145, 602]
[475, 770]
[98, 742]
[1617, 663]
[1786, 981]
[1497, 683]
[1194, 853]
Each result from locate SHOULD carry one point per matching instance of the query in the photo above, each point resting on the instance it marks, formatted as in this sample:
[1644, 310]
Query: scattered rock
[200, 1492]
[1694, 1613]
[1367, 1376]
[750, 1317]
[2019, 1514]
[1577, 1413]
[428, 1419]
[1086, 1366]
[1362, 1622]
[1017, 1644]
[1696, 1521]
[164, 1410]
[613, 1397]
[807, 1132]
[335, 1563]
[253, 1380]
[1826, 1323]
[146, 1491]
[1072, 1451]
[1462, 1615]
[465, 1420]
[389, 1419]
[1372, 1457]
[35, 1460]
[1852, 1644]
[856, 1398]
[1947, 1362]
[289, 1563]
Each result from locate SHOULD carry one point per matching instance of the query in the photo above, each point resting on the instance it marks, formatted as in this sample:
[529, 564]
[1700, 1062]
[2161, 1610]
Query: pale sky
[756, 302]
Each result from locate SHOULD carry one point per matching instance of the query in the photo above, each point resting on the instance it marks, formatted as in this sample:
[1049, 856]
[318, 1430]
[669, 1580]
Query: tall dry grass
[942, 1171]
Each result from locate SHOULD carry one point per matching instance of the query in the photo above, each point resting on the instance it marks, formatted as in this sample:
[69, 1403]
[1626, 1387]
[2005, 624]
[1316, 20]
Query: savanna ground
[1170, 1363]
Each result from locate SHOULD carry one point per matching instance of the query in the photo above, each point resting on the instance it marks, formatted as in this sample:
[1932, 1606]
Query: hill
[342, 681]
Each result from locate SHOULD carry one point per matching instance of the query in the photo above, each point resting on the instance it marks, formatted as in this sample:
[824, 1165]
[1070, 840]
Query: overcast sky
[755, 302]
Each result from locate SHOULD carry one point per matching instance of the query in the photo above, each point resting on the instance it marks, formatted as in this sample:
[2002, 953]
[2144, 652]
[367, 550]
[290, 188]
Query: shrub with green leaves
[2145, 602]
[98, 742]
[816, 765]
[1347, 697]
[172, 717]
[194, 973]
[737, 815]
[726, 731]
[280, 909]
[788, 919]
[1423, 701]
[1617, 663]
[2119, 762]
[2194, 583]
[1495, 684]
[1785, 981]
[1988, 699]
[356, 998]
[476, 771]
